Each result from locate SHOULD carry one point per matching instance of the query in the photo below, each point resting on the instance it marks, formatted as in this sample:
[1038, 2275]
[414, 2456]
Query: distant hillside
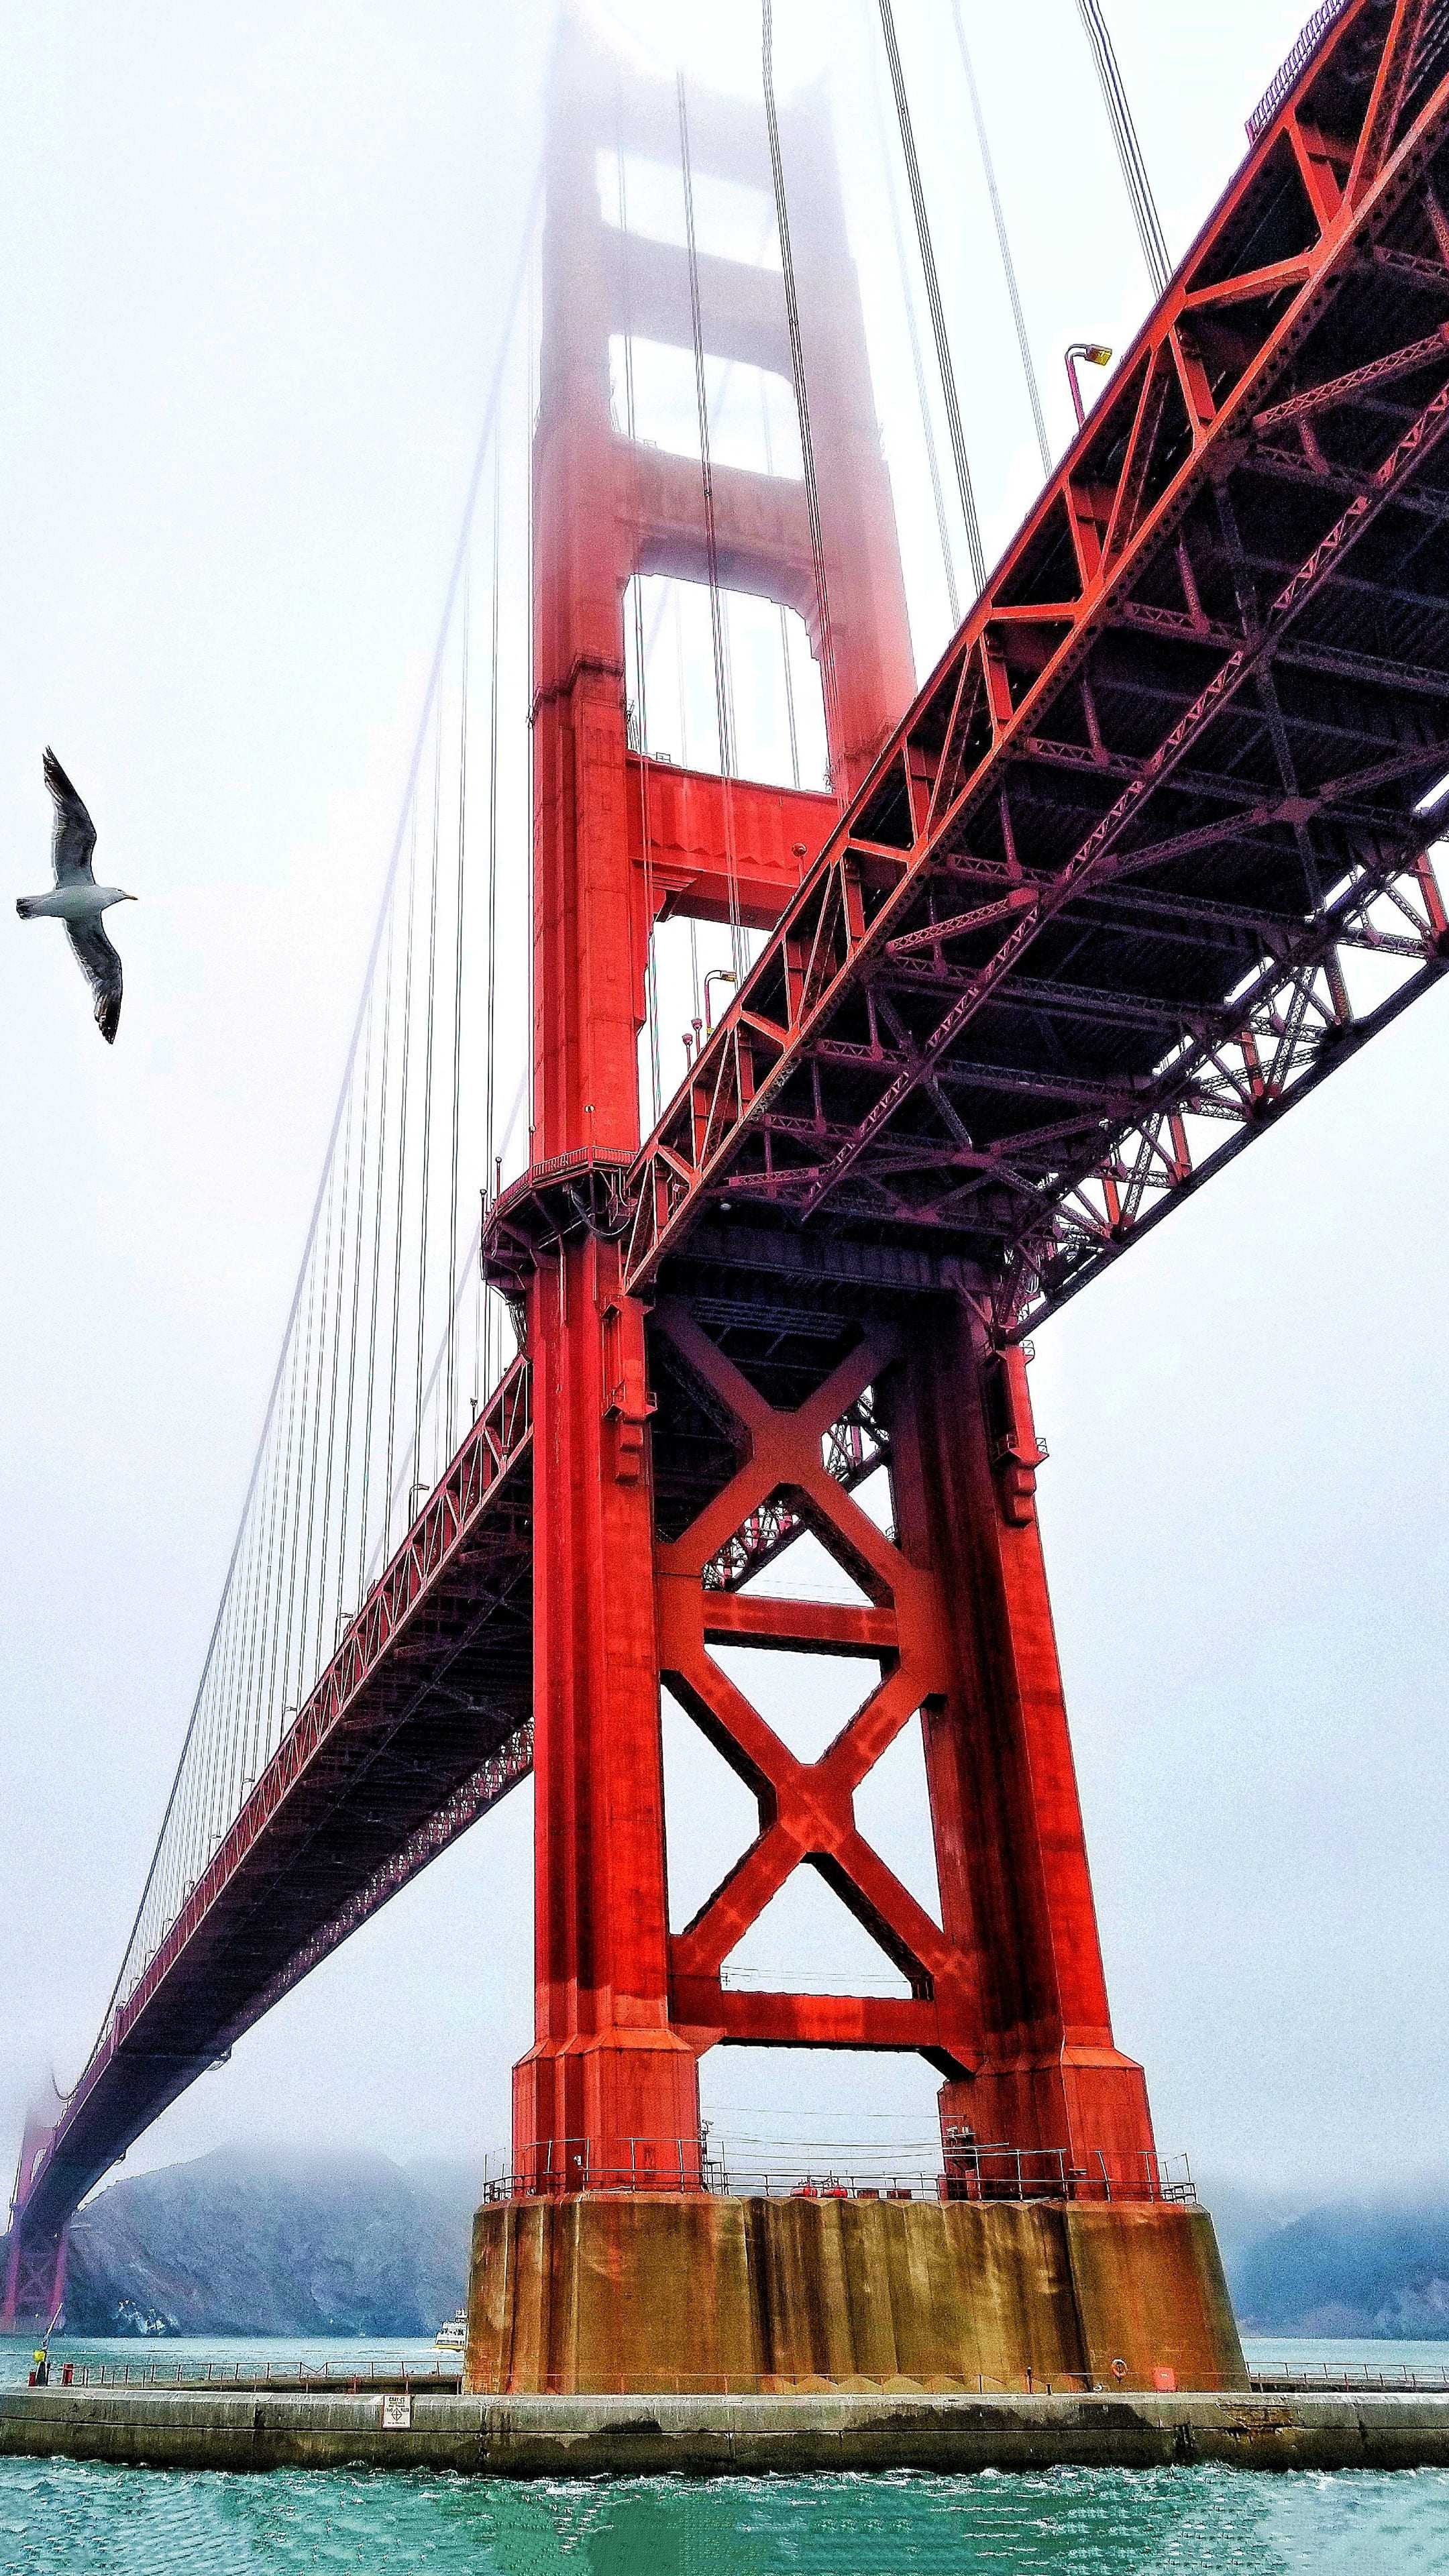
[1379, 2270]
[273, 2243]
[286, 2243]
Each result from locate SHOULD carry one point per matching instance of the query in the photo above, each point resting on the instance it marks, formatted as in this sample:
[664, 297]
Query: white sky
[254, 261]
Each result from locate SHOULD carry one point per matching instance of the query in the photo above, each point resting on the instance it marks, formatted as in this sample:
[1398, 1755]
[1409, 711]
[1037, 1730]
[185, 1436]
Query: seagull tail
[27, 905]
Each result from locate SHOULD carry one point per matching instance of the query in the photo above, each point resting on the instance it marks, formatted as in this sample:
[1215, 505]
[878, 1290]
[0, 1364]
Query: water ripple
[70, 2518]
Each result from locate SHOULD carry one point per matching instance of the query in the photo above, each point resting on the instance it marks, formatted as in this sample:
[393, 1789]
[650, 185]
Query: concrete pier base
[560, 2437]
[691, 2292]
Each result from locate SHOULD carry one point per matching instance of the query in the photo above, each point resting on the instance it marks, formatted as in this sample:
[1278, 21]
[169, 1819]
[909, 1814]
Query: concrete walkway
[194, 2428]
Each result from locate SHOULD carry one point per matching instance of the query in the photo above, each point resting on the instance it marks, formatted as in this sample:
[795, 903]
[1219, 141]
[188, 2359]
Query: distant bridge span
[1142, 863]
[417, 1726]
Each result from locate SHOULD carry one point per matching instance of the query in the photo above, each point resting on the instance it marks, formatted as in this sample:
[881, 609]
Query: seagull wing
[74, 835]
[102, 970]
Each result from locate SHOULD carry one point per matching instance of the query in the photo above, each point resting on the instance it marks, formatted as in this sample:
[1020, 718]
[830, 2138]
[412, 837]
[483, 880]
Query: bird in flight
[77, 900]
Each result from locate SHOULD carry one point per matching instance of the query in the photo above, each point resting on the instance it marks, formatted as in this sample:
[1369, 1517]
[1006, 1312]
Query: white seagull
[78, 901]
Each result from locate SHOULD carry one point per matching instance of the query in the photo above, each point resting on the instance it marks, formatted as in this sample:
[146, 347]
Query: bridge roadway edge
[788, 2435]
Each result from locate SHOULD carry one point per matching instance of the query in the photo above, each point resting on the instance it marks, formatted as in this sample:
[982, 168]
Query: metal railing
[364, 2378]
[1386, 2378]
[967, 2171]
[343, 2378]
[339, 2380]
[974, 2171]
[1294, 64]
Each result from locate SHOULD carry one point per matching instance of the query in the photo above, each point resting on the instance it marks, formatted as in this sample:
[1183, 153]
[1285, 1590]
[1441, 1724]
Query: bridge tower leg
[610, 2081]
[1011, 1855]
[34, 2280]
[676, 1444]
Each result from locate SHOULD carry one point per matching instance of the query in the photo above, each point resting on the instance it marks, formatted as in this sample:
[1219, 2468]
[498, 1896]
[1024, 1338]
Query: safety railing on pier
[306, 2379]
[969, 2171]
[355, 2378]
[1352, 2379]
[345, 2378]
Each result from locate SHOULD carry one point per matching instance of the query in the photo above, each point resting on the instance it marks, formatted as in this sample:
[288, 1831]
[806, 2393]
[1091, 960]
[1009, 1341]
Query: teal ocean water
[60, 2518]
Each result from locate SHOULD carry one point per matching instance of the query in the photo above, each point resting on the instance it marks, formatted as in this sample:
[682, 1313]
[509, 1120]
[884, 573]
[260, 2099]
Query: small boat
[454, 2335]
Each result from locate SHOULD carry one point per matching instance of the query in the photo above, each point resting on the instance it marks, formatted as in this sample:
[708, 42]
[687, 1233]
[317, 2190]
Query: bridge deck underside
[1143, 862]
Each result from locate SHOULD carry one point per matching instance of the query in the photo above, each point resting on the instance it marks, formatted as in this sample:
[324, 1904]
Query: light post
[716, 975]
[1091, 353]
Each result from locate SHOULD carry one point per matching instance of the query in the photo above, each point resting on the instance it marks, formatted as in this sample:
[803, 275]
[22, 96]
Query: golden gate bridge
[1009, 963]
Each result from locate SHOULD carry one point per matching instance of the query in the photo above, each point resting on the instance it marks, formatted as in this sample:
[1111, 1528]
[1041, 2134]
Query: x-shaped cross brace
[806, 1808]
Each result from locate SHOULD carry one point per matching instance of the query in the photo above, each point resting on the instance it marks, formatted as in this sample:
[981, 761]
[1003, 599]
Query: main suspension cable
[1129, 150]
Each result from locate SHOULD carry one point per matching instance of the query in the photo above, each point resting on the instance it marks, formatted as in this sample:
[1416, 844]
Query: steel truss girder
[1126, 516]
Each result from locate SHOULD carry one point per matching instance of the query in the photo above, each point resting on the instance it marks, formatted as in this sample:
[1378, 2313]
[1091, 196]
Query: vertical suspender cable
[325, 1541]
[302, 1556]
[789, 683]
[450, 1397]
[369, 1427]
[1003, 243]
[716, 607]
[974, 547]
[918, 365]
[294, 1698]
[651, 972]
[790, 724]
[222, 1714]
[828, 680]
[237, 1653]
[352, 1340]
[1129, 150]
[250, 1572]
[402, 1144]
[287, 1550]
[257, 1693]
[490, 1019]
[214, 1735]
[424, 1210]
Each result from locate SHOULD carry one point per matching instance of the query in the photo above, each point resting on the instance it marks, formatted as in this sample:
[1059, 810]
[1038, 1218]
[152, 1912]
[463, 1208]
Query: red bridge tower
[695, 1433]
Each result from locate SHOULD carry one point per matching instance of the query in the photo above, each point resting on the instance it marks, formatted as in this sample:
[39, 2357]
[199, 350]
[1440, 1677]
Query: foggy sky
[254, 264]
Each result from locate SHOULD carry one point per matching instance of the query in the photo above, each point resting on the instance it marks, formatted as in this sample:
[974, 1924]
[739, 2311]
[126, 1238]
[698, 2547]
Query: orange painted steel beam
[819, 1627]
[685, 826]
